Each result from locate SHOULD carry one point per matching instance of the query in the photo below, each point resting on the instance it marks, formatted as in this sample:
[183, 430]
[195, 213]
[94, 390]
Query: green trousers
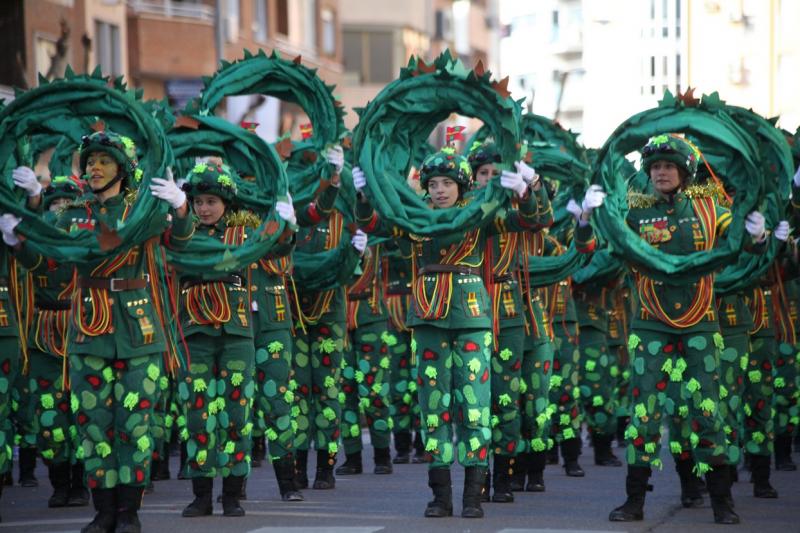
[537, 411]
[274, 397]
[564, 391]
[317, 366]
[506, 365]
[217, 391]
[403, 382]
[162, 417]
[365, 383]
[113, 404]
[759, 423]
[598, 366]
[454, 389]
[23, 411]
[733, 359]
[9, 366]
[52, 419]
[787, 394]
[676, 376]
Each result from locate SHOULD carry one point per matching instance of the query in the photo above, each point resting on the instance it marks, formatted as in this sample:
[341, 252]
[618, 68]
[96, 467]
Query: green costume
[9, 357]
[735, 322]
[786, 399]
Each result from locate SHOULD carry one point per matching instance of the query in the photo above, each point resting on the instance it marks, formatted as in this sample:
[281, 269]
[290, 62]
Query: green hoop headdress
[446, 162]
[483, 153]
[207, 178]
[60, 187]
[674, 149]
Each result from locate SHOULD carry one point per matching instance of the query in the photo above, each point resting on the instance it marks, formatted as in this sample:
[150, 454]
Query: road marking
[301, 529]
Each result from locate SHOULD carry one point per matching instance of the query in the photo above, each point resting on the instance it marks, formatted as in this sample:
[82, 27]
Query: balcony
[169, 9]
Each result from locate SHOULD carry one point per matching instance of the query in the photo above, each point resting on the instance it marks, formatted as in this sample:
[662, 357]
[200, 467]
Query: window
[231, 20]
[370, 55]
[282, 14]
[554, 30]
[678, 19]
[107, 48]
[259, 26]
[310, 24]
[328, 44]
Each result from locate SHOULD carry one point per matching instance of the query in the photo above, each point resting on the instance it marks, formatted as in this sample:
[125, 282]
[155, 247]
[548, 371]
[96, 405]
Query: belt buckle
[111, 285]
[237, 280]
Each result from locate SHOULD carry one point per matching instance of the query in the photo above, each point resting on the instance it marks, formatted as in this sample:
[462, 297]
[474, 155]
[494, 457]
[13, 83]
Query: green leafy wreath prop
[62, 107]
[393, 125]
[199, 136]
[728, 148]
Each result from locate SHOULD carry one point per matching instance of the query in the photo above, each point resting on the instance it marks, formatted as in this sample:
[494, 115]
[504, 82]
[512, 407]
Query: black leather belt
[233, 279]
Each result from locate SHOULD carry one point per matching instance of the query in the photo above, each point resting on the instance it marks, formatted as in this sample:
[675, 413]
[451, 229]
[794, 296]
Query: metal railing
[168, 8]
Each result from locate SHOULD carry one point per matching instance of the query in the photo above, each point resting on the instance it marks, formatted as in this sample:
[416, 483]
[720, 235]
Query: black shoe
[635, 487]
[105, 503]
[761, 485]
[259, 452]
[503, 468]
[691, 497]
[59, 479]
[536, 464]
[301, 469]
[284, 473]
[520, 470]
[570, 450]
[486, 488]
[231, 492]
[474, 477]
[129, 501]
[27, 467]
[603, 456]
[719, 489]
[324, 479]
[402, 445]
[383, 461]
[783, 453]
[352, 465]
[78, 493]
[552, 455]
[184, 459]
[420, 455]
[202, 487]
[159, 471]
[440, 484]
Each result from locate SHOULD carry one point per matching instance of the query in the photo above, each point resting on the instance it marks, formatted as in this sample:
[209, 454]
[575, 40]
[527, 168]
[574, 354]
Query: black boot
[352, 465]
[202, 487]
[105, 503]
[7, 479]
[301, 469]
[129, 501]
[719, 489]
[690, 490]
[603, 456]
[570, 450]
[27, 467]
[159, 471]
[78, 493]
[520, 470]
[324, 479]
[552, 455]
[59, 479]
[536, 464]
[503, 465]
[231, 493]
[635, 487]
[184, 460]
[473, 484]
[383, 461]
[783, 453]
[442, 503]
[486, 488]
[284, 473]
[622, 423]
[259, 452]
[419, 450]
[402, 446]
[761, 485]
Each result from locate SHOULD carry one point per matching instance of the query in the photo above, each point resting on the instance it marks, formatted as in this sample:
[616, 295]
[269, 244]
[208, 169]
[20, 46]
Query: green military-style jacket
[457, 299]
[133, 328]
[270, 299]
[365, 304]
[9, 325]
[591, 307]
[734, 313]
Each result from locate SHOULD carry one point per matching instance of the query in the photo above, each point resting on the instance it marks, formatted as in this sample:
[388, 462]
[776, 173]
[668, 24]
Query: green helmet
[121, 148]
[483, 153]
[673, 148]
[207, 178]
[61, 187]
[448, 163]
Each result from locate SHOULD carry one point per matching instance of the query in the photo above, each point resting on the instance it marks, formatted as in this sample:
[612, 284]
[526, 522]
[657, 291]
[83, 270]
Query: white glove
[594, 198]
[166, 189]
[359, 241]
[286, 210]
[513, 181]
[528, 173]
[796, 178]
[25, 178]
[359, 178]
[335, 157]
[782, 230]
[755, 226]
[7, 224]
[574, 208]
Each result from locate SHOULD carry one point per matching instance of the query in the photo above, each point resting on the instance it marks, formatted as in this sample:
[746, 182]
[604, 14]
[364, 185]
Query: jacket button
[677, 305]
[111, 330]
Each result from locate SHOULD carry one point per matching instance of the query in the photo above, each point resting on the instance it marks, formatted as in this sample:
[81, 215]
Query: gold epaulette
[640, 200]
[242, 217]
[708, 190]
[130, 196]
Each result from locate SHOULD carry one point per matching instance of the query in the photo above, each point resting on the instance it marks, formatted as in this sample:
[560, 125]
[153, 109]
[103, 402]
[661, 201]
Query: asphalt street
[369, 503]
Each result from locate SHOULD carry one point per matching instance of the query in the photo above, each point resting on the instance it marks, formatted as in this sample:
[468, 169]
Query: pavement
[370, 503]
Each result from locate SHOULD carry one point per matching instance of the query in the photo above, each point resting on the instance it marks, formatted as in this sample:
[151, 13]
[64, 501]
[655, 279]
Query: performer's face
[484, 174]
[665, 176]
[57, 204]
[101, 168]
[443, 191]
[209, 208]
